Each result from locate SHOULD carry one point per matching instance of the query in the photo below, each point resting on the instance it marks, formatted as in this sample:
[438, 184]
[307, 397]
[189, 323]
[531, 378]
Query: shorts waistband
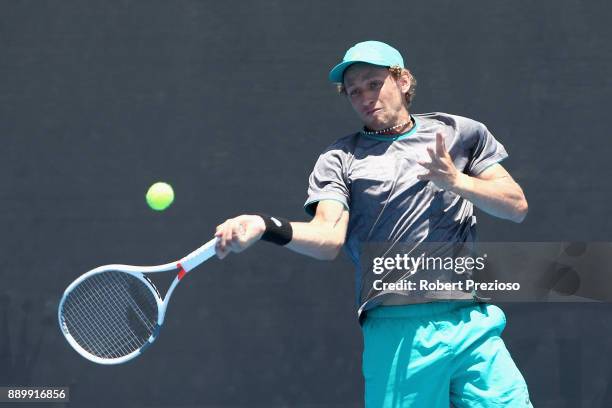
[420, 309]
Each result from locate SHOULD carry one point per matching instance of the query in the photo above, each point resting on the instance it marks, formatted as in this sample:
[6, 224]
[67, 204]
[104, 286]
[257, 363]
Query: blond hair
[397, 72]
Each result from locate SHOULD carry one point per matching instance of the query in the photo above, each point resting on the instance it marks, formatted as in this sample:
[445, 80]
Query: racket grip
[198, 256]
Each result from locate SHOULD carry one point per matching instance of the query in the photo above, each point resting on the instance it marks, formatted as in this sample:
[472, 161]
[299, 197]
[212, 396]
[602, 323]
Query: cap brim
[337, 72]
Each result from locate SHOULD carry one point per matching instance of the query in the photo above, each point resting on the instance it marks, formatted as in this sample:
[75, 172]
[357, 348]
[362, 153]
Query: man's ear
[404, 81]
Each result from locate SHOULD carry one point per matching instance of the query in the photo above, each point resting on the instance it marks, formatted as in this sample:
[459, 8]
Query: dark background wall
[229, 102]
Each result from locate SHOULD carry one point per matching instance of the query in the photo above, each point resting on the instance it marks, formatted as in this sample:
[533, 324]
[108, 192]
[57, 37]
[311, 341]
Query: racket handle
[198, 256]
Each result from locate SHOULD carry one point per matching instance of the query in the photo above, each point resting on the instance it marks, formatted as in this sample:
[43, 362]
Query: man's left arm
[494, 190]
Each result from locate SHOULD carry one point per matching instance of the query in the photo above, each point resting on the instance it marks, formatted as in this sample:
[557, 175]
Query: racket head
[111, 314]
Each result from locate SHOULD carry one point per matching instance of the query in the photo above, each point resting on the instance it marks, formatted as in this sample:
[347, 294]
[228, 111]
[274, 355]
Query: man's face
[376, 96]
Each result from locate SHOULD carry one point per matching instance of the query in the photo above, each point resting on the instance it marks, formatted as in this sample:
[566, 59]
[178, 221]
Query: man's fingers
[241, 230]
[427, 165]
[223, 237]
[220, 233]
[221, 253]
[432, 154]
[233, 235]
[224, 244]
[229, 233]
[439, 142]
[441, 146]
[234, 241]
[220, 248]
[236, 232]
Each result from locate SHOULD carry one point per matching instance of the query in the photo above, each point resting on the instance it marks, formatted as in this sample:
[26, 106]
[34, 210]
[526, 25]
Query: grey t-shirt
[374, 177]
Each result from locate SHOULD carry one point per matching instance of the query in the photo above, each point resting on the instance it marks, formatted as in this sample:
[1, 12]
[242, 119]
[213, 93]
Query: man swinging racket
[406, 178]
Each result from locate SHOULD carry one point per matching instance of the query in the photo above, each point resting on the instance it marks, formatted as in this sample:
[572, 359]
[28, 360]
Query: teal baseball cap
[370, 52]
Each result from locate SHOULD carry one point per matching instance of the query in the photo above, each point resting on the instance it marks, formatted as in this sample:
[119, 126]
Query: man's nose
[368, 99]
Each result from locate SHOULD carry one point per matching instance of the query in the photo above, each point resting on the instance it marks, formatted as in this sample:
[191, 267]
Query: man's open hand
[441, 170]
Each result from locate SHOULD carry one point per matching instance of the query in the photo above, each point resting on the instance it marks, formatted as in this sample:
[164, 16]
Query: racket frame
[183, 266]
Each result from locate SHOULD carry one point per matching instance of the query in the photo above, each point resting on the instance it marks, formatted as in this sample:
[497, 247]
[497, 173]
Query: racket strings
[91, 334]
[98, 316]
[95, 320]
[125, 338]
[111, 314]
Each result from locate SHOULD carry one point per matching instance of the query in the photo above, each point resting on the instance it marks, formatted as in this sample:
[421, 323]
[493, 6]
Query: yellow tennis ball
[159, 196]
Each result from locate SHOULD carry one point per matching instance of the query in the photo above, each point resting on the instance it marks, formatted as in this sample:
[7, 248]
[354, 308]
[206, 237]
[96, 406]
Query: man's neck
[402, 126]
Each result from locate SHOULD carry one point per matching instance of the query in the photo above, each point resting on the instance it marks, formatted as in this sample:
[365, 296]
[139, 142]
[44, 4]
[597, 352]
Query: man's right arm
[321, 238]
[324, 235]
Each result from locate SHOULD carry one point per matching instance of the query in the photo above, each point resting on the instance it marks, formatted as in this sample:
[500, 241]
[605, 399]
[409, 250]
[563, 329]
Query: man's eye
[375, 84]
[354, 92]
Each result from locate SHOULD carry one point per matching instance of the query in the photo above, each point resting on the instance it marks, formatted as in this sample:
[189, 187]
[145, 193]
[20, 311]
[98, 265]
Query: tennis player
[406, 178]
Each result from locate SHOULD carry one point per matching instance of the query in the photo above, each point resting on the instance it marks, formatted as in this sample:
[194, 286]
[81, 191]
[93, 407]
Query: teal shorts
[439, 355]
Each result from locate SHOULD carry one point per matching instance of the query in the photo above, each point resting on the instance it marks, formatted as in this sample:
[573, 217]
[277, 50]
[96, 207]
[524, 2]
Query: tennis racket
[113, 313]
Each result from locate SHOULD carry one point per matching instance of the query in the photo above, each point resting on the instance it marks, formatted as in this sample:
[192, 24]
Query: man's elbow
[331, 251]
[521, 211]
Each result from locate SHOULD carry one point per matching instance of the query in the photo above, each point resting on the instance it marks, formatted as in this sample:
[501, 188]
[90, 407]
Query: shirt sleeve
[327, 181]
[484, 150]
